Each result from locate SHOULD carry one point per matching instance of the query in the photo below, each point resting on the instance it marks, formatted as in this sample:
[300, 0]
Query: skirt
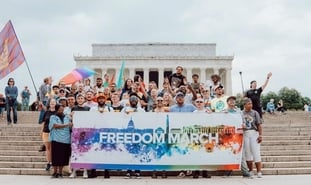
[61, 153]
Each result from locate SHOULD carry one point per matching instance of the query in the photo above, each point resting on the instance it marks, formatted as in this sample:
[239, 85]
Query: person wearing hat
[25, 99]
[219, 103]
[101, 107]
[63, 101]
[133, 106]
[252, 136]
[215, 81]
[180, 105]
[232, 108]
[254, 93]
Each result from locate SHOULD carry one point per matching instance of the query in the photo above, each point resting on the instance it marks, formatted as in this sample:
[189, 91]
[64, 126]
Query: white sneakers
[251, 174]
[259, 175]
[74, 174]
[85, 176]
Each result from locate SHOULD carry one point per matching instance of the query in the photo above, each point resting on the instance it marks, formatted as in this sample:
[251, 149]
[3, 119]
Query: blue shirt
[183, 108]
[61, 135]
[11, 92]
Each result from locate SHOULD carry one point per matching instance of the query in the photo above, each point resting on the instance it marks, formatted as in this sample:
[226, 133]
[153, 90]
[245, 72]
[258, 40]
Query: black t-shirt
[46, 118]
[118, 108]
[176, 80]
[254, 95]
[78, 108]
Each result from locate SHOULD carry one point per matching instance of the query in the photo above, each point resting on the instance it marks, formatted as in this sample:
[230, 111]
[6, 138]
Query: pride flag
[121, 76]
[11, 54]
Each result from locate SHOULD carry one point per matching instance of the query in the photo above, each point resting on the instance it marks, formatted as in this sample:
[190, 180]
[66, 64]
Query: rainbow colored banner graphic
[157, 141]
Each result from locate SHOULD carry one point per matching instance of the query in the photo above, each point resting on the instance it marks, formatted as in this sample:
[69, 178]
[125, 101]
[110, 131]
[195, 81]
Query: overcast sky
[263, 35]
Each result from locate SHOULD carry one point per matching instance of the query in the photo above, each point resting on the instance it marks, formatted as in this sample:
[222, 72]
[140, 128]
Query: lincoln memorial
[155, 61]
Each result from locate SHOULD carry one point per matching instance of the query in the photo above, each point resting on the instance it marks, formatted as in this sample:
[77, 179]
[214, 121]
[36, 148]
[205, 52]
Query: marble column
[189, 74]
[146, 75]
[228, 81]
[131, 72]
[202, 78]
[161, 77]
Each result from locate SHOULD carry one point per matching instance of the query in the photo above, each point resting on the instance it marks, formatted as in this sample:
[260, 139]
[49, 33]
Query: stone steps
[285, 152]
[296, 164]
[38, 158]
[285, 148]
[286, 158]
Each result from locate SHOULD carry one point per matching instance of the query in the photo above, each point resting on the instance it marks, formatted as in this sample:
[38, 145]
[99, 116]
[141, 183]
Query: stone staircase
[286, 147]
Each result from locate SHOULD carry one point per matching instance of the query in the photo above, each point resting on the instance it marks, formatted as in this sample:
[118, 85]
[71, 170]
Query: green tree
[306, 100]
[292, 99]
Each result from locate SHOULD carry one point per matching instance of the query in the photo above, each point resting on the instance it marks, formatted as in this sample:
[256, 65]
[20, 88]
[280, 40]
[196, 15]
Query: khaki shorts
[45, 137]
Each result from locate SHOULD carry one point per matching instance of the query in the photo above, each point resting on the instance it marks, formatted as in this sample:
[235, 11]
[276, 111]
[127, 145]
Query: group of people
[271, 108]
[59, 102]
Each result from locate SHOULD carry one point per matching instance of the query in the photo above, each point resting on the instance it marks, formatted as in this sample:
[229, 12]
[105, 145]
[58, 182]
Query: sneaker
[251, 174]
[42, 148]
[259, 175]
[137, 175]
[106, 174]
[85, 176]
[73, 174]
[54, 175]
[48, 166]
[164, 175]
[127, 176]
[181, 175]
[246, 175]
[154, 175]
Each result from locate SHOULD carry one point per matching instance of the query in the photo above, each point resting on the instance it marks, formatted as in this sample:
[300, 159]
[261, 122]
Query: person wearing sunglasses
[11, 93]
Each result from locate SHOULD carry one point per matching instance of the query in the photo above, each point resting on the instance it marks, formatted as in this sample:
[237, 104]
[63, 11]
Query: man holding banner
[252, 136]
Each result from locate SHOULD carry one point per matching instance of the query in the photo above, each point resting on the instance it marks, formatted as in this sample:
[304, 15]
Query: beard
[133, 104]
[101, 104]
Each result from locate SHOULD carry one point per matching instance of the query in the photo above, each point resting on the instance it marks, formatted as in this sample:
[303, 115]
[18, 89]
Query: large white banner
[156, 141]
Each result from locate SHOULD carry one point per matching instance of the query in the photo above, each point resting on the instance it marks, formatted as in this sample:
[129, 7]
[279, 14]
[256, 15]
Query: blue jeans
[11, 105]
[42, 112]
[25, 104]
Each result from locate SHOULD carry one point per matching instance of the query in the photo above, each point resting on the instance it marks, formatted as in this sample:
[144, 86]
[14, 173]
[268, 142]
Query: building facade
[155, 61]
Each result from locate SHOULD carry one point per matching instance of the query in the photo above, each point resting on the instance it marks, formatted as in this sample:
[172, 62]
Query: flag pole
[33, 83]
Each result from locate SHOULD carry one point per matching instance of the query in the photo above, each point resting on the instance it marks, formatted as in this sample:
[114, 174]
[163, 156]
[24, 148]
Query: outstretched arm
[267, 81]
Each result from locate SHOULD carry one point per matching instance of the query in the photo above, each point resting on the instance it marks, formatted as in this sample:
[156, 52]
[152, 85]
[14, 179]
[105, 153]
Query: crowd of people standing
[58, 102]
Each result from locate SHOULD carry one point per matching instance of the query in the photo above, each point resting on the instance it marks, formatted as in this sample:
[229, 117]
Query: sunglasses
[159, 100]
[199, 101]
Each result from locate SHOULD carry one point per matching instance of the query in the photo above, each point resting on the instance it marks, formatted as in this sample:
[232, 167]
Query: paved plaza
[217, 180]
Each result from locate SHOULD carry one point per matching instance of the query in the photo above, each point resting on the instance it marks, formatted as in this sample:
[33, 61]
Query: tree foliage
[292, 99]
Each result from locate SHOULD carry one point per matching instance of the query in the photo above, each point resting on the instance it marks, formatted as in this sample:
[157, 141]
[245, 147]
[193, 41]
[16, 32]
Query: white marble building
[154, 61]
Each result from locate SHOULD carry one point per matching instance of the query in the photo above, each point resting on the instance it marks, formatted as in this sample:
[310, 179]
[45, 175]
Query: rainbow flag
[11, 54]
[121, 76]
